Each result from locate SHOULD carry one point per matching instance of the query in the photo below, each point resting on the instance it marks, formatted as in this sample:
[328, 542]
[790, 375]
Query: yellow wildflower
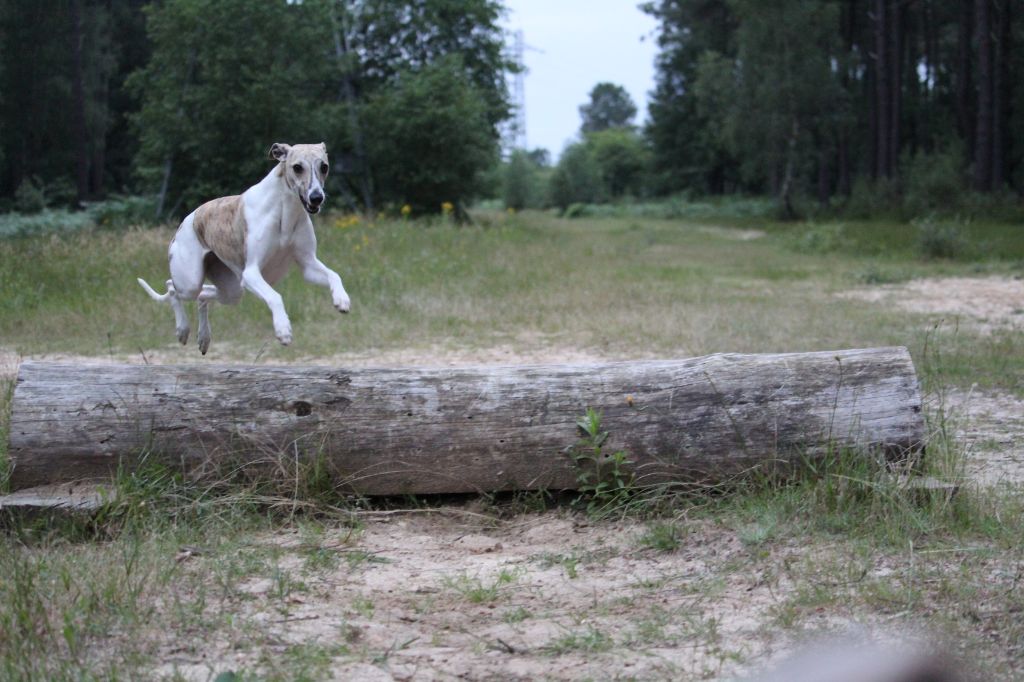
[447, 207]
[406, 210]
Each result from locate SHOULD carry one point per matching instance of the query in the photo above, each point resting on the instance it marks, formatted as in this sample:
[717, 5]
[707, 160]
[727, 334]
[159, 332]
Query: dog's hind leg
[204, 325]
[209, 294]
[187, 273]
[181, 325]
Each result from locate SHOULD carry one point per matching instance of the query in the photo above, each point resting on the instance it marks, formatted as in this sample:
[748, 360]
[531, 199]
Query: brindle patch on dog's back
[220, 226]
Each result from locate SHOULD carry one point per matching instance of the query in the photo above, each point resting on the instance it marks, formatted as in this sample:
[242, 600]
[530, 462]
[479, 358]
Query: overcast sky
[584, 42]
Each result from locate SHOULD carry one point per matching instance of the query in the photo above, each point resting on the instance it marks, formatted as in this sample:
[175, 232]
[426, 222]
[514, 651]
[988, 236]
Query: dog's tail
[160, 298]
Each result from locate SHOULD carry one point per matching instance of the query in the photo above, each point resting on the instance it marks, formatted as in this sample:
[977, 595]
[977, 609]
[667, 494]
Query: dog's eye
[297, 168]
[324, 168]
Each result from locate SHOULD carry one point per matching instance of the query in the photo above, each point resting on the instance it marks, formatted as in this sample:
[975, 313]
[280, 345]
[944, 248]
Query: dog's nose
[316, 198]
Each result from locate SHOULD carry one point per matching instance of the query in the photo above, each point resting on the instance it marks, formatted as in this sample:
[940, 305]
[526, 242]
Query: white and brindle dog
[249, 241]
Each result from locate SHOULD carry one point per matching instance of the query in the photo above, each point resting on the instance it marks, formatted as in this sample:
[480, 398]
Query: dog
[249, 241]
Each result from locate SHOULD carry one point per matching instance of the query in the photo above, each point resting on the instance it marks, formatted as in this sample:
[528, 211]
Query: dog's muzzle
[314, 202]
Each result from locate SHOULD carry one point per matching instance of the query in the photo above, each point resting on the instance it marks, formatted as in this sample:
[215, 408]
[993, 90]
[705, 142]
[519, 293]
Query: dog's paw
[284, 336]
[204, 344]
[183, 333]
[343, 305]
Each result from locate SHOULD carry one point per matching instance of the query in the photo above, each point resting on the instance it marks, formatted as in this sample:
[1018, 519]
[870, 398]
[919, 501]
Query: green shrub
[577, 178]
[22, 225]
[578, 211]
[827, 238]
[872, 199]
[123, 211]
[940, 239]
[523, 181]
[934, 181]
[30, 197]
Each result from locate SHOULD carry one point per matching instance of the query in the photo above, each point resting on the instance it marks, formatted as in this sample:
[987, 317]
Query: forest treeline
[181, 99]
[837, 102]
[828, 97]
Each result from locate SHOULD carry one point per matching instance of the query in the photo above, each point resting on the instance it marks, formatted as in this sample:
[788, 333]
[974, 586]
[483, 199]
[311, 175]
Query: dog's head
[304, 167]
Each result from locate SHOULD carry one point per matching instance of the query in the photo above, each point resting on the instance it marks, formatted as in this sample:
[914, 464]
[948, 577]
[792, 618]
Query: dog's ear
[279, 150]
[323, 145]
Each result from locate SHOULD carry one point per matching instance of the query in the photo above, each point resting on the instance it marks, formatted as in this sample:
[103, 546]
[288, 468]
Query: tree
[523, 178]
[779, 93]
[610, 106]
[577, 178]
[622, 160]
[430, 137]
[868, 83]
[687, 148]
[226, 79]
[56, 68]
[235, 76]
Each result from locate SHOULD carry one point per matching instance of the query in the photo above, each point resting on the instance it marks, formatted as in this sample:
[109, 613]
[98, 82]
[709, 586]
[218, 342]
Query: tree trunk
[416, 431]
[1001, 95]
[348, 94]
[78, 99]
[964, 81]
[896, 28]
[786, 191]
[99, 152]
[883, 97]
[824, 178]
[165, 183]
[983, 127]
[848, 29]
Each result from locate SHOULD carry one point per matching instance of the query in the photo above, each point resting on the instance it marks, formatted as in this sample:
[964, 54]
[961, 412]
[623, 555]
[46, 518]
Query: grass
[843, 537]
[626, 288]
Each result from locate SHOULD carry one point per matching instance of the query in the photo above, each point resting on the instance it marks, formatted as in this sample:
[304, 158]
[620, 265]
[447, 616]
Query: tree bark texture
[964, 80]
[983, 127]
[78, 96]
[883, 97]
[419, 431]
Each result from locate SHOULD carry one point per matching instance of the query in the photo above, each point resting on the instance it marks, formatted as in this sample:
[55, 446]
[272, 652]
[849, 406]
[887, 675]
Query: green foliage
[872, 199]
[122, 211]
[429, 137]
[663, 536]
[409, 95]
[603, 479]
[936, 239]
[785, 97]
[622, 160]
[114, 213]
[30, 196]
[44, 222]
[226, 79]
[778, 96]
[577, 178]
[42, 113]
[610, 106]
[934, 181]
[523, 180]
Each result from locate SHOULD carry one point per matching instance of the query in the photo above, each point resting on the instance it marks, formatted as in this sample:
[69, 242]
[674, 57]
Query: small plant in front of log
[603, 479]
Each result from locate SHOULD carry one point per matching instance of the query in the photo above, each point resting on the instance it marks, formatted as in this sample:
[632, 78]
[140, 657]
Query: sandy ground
[455, 596]
[547, 596]
[459, 595]
[989, 423]
[985, 303]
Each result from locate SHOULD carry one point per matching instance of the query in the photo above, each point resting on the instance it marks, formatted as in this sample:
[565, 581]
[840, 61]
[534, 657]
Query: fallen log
[418, 431]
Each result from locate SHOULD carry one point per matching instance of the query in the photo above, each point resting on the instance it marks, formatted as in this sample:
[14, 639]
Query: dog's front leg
[253, 280]
[315, 272]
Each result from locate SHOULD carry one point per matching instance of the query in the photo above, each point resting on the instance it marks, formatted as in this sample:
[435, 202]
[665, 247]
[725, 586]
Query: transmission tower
[514, 134]
[517, 132]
